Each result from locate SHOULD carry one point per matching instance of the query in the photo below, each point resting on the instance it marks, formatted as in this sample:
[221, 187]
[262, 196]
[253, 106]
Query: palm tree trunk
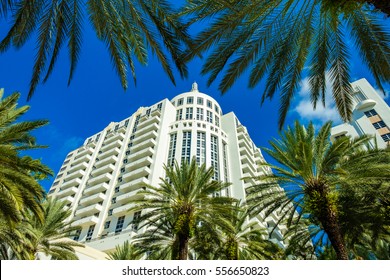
[183, 247]
[332, 229]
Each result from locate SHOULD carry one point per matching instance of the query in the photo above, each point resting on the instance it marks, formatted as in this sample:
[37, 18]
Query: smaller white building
[371, 116]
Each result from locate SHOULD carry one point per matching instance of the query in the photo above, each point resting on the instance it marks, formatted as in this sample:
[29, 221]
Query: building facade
[98, 179]
[371, 116]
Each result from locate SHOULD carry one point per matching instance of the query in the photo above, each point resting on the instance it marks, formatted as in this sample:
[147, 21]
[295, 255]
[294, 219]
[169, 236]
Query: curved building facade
[98, 179]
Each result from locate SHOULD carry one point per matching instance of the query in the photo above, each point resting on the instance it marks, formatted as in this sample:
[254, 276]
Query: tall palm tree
[312, 170]
[281, 40]
[19, 189]
[128, 28]
[183, 201]
[245, 240]
[52, 236]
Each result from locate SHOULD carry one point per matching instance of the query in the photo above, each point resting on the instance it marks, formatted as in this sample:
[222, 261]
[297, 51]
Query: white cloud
[321, 114]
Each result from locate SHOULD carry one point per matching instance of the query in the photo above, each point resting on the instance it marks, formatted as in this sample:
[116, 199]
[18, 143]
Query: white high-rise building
[98, 179]
[371, 116]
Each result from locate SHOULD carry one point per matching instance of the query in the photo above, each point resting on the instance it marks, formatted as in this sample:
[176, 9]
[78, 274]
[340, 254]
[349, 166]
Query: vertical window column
[199, 114]
[172, 149]
[214, 156]
[90, 232]
[186, 147]
[201, 148]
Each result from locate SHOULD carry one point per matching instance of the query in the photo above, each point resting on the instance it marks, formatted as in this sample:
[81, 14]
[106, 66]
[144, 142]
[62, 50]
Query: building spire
[194, 87]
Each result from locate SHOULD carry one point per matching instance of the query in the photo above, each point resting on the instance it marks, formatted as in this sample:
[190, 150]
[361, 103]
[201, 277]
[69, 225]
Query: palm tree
[126, 251]
[245, 240]
[281, 40]
[183, 201]
[128, 28]
[18, 174]
[52, 236]
[312, 171]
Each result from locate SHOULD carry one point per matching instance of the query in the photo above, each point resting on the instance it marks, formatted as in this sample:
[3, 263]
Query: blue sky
[95, 97]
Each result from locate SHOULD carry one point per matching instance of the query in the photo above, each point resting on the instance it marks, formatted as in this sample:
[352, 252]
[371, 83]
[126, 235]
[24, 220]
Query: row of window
[189, 115]
[199, 101]
[378, 125]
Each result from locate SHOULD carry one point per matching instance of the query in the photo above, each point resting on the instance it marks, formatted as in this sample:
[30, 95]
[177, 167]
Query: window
[136, 218]
[148, 112]
[97, 137]
[209, 104]
[107, 224]
[127, 153]
[119, 224]
[113, 200]
[370, 113]
[359, 96]
[386, 137]
[189, 112]
[90, 232]
[216, 109]
[186, 147]
[132, 137]
[63, 168]
[201, 148]
[340, 136]
[110, 212]
[179, 114]
[125, 161]
[172, 149]
[130, 145]
[225, 165]
[56, 183]
[209, 116]
[68, 156]
[126, 123]
[117, 188]
[180, 102]
[120, 179]
[199, 114]
[116, 127]
[122, 170]
[76, 236]
[217, 121]
[190, 100]
[159, 106]
[214, 156]
[379, 124]
[200, 101]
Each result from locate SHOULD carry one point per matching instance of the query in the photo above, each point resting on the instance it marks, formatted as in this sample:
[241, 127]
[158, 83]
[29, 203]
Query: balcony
[146, 129]
[84, 151]
[127, 197]
[67, 199]
[138, 164]
[148, 121]
[112, 145]
[96, 189]
[89, 210]
[102, 169]
[100, 179]
[365, 105]
[93, 199]
[143, 153]
[145, 137]
[135, 174]
[113, 137]
[67, 192]
[74, 174]
[156, 112]
[85, 158]
[111, 159]
[88, 221]
[135, 184]
[143, 145]
[248, 159]
[71, 183]
[109, 153]
[248, 170]
[122, 210]
[80, 166]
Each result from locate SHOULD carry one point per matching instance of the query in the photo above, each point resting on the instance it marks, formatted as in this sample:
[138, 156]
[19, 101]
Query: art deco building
[98, 179]
[371, 116]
